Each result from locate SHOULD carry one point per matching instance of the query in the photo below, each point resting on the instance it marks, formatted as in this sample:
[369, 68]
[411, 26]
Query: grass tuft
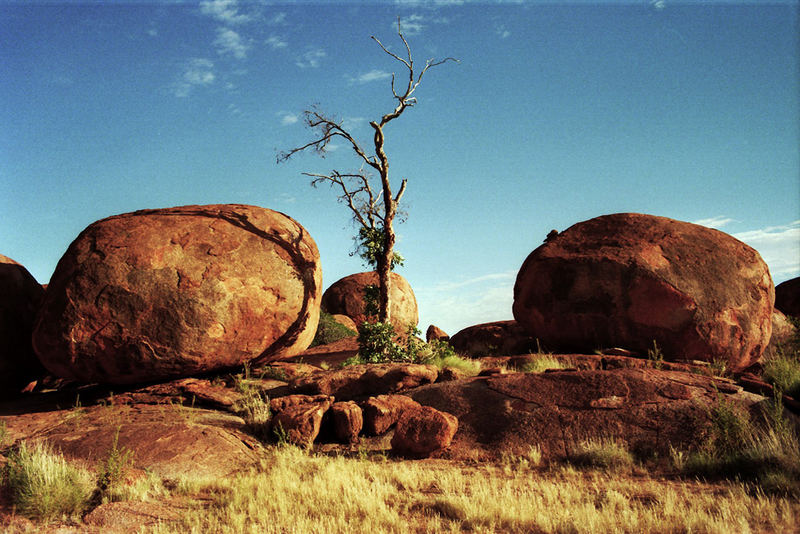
[43, 485]
[603, 454]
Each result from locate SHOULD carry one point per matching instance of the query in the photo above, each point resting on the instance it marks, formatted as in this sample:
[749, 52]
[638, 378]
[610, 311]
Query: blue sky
[556, 113]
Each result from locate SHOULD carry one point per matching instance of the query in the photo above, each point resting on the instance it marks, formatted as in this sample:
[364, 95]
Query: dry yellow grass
[294, 492]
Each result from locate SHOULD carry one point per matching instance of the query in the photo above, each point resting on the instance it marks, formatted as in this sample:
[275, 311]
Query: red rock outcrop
[356, 381]
[21, 297]
[648, 409]
[500, 338]
[629, 279]
[172, 292]
[782, 329]
[423, 431]
[382, 412]
[787, 297]
[346, 297]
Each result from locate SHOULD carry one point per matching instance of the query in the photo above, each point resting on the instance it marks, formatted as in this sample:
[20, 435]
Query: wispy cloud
[276, 42]
[230, 42]
[287, 118]
[502, 32]
[278, 19]
[453, 306]
[372, 76]
[226, 11]
[715, 222]
[779, 246]
[197, 72]
[411, 24]
[311, 58]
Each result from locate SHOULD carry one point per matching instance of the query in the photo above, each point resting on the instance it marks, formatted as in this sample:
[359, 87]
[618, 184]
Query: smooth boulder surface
[627, 280]
[163, 293]
[21, 297]
[423, 431]
[346, 297]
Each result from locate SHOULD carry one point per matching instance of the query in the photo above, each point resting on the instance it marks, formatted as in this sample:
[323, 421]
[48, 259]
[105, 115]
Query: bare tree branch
[371, 201]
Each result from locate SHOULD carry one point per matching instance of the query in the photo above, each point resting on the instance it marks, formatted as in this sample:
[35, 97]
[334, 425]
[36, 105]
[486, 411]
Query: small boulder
[21, 297]
[423, 431]
[345, 321]
[434, 333]
[347, 420]
[159, 294]
[346, 297]
[279, 404]
[629, 279]
[782, 329]
[300, 423]
[382, 412]
[500, 338]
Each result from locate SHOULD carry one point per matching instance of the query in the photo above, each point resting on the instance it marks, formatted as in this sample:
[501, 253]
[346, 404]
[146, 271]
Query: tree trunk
[385, 273]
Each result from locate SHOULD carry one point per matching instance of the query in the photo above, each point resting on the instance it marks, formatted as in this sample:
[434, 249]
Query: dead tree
[373, 203]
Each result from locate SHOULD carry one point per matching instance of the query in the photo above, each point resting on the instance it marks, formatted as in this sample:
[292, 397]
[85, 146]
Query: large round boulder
[172, 292]
[21, 296]
[346, 297]
[629, 280]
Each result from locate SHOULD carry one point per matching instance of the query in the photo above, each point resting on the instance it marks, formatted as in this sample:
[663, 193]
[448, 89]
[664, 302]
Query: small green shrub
[43, 485]
[602, 453]
[377, 344]
[330, 330]
[655, 355]
[112, 471]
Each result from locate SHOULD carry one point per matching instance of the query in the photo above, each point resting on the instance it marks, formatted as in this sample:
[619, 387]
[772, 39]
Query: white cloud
[311, 58]
[226, 11]
[371, 76]
[276, 42]
[230, 42]
[197, 72]
[502, 32]
[288, 118]
[715, 222]
[410, 25]
[779, 246]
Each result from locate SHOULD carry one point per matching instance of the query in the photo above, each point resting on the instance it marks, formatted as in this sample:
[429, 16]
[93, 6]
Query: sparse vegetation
[253, 406]
[112, 471]
[43, 485]
[655, 355]
[782, 370]
[541, 363]
[602, 454]
[330, 330]
[351, 495]
[765, 452]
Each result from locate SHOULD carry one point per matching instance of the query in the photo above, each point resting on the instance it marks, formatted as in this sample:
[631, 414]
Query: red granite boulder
[628, 279]
[362, 380]
[500, 338]
[382, 412]
[21, 297]
[299, 423]
[172, 292]
[787, 297]
[346, 297]
[347, 420]
[423, 431]
[434, 333]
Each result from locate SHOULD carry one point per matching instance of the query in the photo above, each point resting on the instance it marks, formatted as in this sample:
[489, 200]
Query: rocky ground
[196, 425]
